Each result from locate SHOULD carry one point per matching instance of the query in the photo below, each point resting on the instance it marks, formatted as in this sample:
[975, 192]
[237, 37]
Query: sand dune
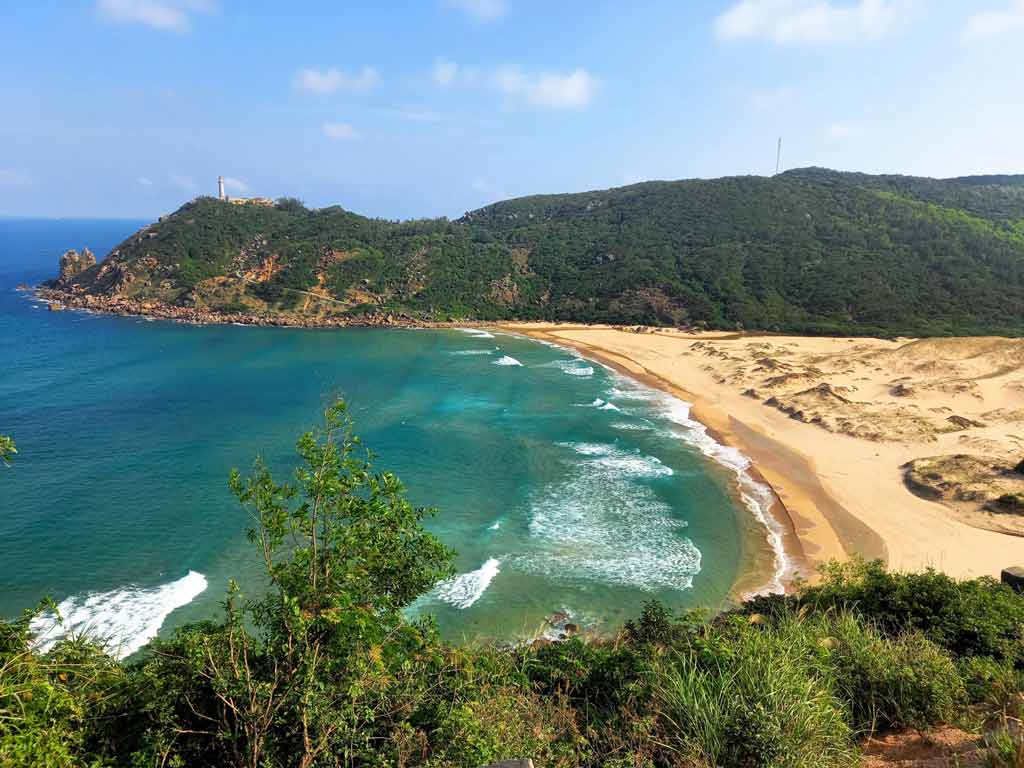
[835, 425]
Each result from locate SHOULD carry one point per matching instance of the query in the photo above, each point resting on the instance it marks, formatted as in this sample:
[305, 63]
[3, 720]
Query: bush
[503, 723]
[905, 682]
[978, 617]
[765, 705]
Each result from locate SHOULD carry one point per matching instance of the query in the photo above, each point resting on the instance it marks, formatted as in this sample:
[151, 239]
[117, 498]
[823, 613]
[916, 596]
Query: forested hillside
[809, 250]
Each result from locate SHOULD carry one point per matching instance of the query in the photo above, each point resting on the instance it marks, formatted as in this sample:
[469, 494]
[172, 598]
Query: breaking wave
[599, 524]
[466, 588]
[618, 460]
[123, 619]
[506, 360]
[477, 333]
[757, 497]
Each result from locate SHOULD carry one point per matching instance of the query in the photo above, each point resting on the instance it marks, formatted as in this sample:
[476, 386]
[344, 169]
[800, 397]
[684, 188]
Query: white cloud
[992, 23]
[341, 132]
[167, 15]
[813, 22]
[481, 10]
[186, 183]
[145, 182]
[328, 81]
[9, 178]
[550, 90]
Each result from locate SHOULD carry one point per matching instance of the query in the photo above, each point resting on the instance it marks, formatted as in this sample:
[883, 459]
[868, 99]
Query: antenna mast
[778, 157]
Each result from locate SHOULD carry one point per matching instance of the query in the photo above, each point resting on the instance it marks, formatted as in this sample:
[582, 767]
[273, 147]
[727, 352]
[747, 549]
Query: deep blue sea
[563, 486]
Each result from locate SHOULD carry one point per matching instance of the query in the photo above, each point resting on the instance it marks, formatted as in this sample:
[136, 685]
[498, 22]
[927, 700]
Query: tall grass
[766, 703]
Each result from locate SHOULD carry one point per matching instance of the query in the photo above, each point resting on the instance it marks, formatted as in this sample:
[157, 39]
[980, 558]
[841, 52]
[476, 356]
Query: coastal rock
[73, 263]
[1013, 577]
[23, 287]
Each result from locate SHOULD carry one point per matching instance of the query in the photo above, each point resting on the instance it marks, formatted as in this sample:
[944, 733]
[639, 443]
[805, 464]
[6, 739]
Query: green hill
[809, 250]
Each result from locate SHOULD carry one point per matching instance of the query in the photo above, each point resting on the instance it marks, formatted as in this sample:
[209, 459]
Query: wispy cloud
[341, 132]
[186, 183]
[166, 15]
[550, 90]
[412, 114]
[996, 22]
[145, 182]
[324, 82]
[12, 178]
[547, 90]
[813, 22]
[481, 10]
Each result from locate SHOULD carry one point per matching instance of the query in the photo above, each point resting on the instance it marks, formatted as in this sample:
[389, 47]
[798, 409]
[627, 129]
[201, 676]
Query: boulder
[73, 263]
[1013, 577]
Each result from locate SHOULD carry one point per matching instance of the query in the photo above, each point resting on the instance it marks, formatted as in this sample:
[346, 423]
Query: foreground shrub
[764, 705]
[903, 682]
[978, 617]
[505, 723]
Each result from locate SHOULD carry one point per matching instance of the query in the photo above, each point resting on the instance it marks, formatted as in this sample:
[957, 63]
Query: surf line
[752, 490]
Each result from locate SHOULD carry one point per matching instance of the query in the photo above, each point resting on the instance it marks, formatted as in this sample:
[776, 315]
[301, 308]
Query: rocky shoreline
[120, 305]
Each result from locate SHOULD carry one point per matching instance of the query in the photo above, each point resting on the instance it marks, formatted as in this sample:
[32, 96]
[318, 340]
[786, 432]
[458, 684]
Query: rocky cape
[120, 305]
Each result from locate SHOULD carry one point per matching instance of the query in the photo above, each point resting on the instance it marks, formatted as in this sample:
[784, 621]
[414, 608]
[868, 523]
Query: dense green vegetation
[810, 250]
[323, 669]
[7, 449]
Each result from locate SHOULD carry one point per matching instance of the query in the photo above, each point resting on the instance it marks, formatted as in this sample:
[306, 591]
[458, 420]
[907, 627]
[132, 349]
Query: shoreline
[831, 423]
[777, 529]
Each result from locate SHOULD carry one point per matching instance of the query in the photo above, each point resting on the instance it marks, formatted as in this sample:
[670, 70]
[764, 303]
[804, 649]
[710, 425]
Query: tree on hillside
[344, 553]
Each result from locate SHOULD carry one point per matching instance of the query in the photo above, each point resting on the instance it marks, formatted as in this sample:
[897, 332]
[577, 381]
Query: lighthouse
[220, 188]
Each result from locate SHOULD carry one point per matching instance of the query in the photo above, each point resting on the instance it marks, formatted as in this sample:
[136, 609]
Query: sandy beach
[831, 423]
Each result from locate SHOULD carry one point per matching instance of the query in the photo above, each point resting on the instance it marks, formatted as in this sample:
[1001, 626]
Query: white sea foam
[756, 496]
[466, 588]
[472, 352]
[632, 426]
[624, 462]
[124, 619]
[575, 367]
[608, 407]
[600, 524]
[506, 360]
[495, 526]
[478, 333]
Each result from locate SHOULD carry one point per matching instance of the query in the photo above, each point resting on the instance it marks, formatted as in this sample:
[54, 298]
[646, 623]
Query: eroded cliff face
[73, 263]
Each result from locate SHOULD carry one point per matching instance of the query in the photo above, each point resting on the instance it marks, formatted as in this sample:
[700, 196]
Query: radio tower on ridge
[220, 188]
[778, 157]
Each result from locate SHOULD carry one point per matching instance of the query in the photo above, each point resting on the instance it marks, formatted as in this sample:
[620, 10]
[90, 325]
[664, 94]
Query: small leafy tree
[291, 205]
[345, 553]
[7, 450]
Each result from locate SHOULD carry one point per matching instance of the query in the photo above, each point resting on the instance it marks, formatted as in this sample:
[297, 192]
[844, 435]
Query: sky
[413, 108]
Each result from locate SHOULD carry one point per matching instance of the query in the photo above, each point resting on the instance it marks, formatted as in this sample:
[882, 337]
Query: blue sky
[401, 108]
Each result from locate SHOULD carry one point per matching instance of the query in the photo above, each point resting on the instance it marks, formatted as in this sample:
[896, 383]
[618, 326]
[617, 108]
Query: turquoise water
[562, 485]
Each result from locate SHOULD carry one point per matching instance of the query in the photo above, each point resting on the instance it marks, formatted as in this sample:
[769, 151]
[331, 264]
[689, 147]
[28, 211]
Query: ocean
[563, 486]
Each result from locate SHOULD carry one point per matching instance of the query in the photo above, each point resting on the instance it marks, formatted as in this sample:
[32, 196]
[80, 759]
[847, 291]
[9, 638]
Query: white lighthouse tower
[220, 188]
